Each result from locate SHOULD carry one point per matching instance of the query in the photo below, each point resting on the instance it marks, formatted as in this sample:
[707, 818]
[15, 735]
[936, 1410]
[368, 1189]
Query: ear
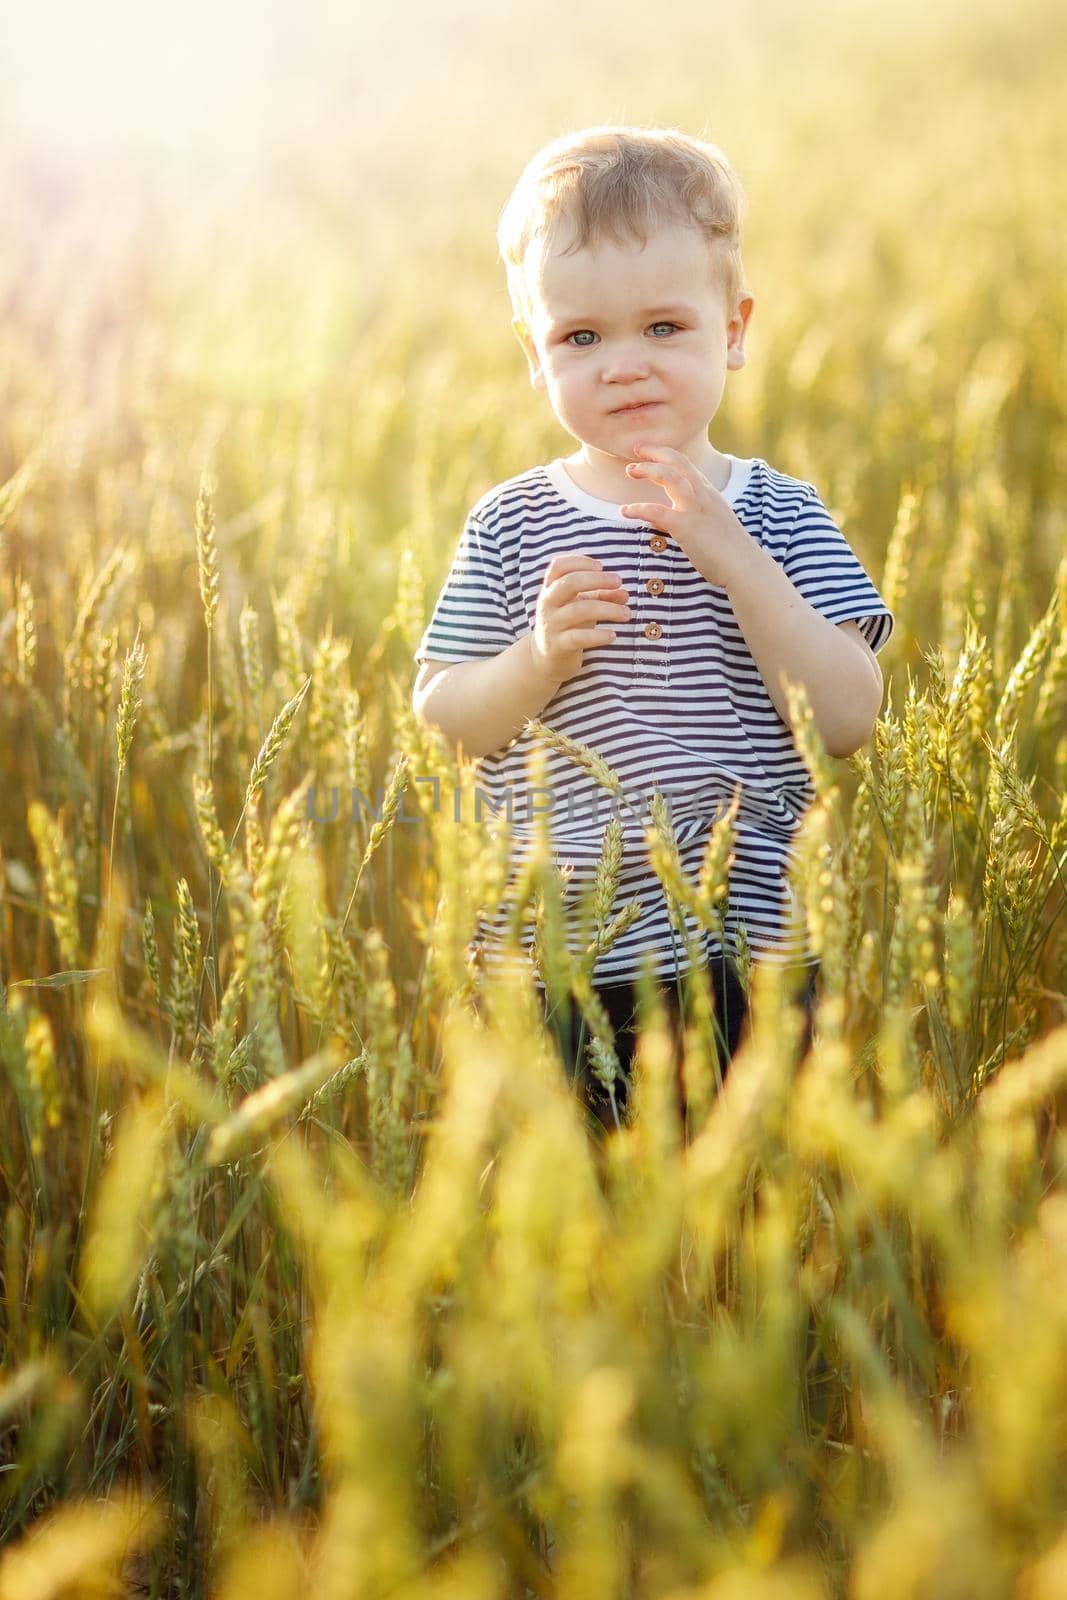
[525, 338]
[736, 329]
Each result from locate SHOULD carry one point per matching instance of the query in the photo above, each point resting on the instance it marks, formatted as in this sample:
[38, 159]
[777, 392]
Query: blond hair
[622, 182]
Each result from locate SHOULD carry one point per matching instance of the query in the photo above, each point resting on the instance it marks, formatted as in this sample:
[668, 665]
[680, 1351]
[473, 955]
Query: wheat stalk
[150, 949]
[207, 552]
[1026, 669]
[809, 741]
[269, 882]
[77, 658]
[185, 962]
[25, 633]
[215, 846]
[272, 745]
[132, 676]
[390, 806]
[60, 880]
[104, 649]
[133, 672]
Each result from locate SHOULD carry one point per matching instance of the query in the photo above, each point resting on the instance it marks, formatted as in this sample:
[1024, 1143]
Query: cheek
[701, 370]
[570, 384]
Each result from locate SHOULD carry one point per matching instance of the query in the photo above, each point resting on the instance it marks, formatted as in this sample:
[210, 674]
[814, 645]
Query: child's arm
[787, 635]
[482, 705]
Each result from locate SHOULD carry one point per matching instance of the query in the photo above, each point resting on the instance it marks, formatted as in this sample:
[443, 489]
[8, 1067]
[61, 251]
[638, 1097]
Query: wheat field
[315, 1278]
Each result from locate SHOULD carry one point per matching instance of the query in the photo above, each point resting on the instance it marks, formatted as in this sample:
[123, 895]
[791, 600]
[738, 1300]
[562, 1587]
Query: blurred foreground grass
[311, 1273]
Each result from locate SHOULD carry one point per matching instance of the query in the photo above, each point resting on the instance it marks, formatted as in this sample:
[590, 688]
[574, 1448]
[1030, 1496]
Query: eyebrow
[676, 308]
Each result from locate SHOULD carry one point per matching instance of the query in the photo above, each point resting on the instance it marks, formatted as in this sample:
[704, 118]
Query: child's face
[617, 324]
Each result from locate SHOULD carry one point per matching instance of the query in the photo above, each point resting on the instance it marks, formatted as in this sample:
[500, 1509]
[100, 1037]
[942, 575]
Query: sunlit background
[324, 151]
[219, 207]
[209, 96]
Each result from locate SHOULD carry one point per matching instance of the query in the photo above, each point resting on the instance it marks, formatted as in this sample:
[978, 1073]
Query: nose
[625, 365]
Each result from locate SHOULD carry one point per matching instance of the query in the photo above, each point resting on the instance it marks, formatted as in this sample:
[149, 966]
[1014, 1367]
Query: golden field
[313, 1277]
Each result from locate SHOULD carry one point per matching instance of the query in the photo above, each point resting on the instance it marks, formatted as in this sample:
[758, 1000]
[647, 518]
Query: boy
[646, 595]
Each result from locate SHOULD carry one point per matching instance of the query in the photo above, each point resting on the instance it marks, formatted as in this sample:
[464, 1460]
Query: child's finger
[660, 472]
[646, 513]
[657, 451]
[573, 561]
[582, 581]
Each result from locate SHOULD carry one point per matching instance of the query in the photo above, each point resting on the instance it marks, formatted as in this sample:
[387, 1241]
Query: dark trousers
[620, 1002]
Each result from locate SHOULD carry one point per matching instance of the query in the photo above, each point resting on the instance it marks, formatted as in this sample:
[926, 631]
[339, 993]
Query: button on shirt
[676, 702]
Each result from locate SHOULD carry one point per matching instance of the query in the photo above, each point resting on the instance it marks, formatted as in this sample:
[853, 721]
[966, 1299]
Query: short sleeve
[471, 619]
[821, 564]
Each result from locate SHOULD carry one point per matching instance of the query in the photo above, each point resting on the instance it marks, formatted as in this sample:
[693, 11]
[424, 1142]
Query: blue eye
[579, 331]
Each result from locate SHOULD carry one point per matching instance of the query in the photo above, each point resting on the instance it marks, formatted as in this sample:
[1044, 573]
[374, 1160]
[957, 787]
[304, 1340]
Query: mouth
[645, 405]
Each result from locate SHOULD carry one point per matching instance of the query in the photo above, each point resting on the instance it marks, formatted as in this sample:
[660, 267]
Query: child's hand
[576, 593]
[698, 519]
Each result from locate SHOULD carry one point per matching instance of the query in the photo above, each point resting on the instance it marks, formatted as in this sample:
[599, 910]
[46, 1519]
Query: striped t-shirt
[676, 702]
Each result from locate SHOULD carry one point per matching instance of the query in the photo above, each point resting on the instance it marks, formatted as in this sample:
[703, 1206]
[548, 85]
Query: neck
[604, 476]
